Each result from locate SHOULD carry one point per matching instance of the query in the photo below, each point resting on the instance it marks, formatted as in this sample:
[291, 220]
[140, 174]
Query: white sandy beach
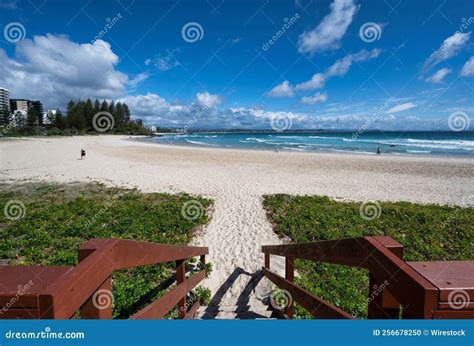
[236, 181]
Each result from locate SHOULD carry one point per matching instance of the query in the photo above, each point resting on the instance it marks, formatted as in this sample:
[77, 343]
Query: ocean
[395, 143]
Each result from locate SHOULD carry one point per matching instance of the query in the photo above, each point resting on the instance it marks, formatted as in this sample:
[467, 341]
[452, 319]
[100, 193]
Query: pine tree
[104, 106]
[60, 120]
[112, 108]
[70, 113]
[118, 116]
[126, 113]
[96, 106]
[80, 120]
[89, 114]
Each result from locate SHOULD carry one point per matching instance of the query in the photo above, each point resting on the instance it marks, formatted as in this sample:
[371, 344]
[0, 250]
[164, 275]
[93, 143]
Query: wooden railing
[380, 255]
[76, 288]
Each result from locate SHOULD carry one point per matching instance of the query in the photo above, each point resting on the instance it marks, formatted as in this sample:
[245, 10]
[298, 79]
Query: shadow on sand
[242, 310]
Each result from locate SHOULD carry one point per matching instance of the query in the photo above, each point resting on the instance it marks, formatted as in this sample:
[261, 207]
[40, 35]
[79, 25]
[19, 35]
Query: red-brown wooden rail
[58, 292]
[422, 289]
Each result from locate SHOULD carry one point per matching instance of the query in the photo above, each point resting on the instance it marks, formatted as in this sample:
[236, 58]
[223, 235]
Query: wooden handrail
[380, 255]
[98, 259]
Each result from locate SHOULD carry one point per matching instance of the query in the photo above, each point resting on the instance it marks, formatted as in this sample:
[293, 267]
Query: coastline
[333, 143]
[145, 140]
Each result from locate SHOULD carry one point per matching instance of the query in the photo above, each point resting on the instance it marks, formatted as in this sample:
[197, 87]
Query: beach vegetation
[427, 232]
[56, 220]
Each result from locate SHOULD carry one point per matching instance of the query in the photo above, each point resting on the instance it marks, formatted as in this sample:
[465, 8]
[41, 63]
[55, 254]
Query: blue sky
[337, 64]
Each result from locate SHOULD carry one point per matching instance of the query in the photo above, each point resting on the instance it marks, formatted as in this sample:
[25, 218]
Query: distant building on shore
[4, 99]
[24, 105]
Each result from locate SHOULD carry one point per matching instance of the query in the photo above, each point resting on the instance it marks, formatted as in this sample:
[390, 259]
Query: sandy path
[236, 180]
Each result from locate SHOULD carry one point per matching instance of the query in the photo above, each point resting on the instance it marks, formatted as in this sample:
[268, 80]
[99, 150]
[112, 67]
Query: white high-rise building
[4, 99]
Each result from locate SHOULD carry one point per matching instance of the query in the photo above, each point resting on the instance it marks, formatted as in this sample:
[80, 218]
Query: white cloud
[149, 104]
[208, 100]
[468, 68]
[164, 62]
[316, 82]
[339, 68]
[449, 48]
[284, 89]
[439, 75]
[316, 98]
[138, 79]
[153, 109]
[328, 34]
[55, 69]
[402, 107]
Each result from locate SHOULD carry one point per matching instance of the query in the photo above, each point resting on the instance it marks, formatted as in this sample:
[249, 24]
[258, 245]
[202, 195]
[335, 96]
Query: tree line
[79, 119]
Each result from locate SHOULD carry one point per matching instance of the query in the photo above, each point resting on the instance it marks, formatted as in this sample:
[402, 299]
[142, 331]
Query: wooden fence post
[180, 277]
[290, 276]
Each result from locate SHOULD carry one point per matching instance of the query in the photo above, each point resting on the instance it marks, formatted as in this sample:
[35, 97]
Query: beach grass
[59, 218]
[427, 232]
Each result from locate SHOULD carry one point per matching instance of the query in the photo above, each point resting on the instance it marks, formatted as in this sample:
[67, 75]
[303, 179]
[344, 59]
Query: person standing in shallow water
[379, 151]
[83, 154]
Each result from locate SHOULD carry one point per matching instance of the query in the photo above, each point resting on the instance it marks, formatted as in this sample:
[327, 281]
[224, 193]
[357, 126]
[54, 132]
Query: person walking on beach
[83, 154]
[379, 151]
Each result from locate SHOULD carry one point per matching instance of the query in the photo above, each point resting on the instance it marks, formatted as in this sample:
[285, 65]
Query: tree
[88, 113]
[70, 111]
[96, 106]
[32, 117]
[60, 121]
[118, 116]
[126, 113]
[5, 118]
[112, 108]
[104, 107]
[75, 115]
